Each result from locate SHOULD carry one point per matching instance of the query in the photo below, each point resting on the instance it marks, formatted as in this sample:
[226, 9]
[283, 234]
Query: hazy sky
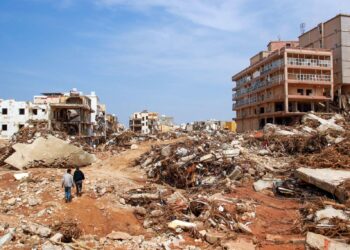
[175, 57]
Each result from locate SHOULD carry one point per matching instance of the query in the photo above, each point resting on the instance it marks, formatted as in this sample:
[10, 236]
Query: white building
[144, 122]
[15, 114]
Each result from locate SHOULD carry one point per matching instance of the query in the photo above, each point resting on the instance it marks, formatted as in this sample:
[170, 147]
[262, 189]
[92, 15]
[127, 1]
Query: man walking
[78, 180]
[68, 183]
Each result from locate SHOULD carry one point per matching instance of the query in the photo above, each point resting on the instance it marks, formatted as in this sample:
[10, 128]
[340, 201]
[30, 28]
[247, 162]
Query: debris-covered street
[279, 188]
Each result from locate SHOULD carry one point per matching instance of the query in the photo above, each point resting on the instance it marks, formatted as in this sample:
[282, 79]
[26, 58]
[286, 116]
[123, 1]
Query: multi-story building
[281, 84]
[15, 114]
[72, 112]
[334, 34]
[144, 122]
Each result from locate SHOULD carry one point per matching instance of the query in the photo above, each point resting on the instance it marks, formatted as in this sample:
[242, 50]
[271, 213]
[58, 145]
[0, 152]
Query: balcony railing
[309, 77]
[308, 62]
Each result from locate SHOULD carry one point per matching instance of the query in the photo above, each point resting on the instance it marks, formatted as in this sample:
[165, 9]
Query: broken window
[21, 111]
[4, 127]
[4, 111]
[308, 91]
[300, 91]
[35, 112]
[279, 106]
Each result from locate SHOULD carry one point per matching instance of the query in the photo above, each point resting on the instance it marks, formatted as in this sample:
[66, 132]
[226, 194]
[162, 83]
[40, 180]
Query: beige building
[334, 34]
[281, 84]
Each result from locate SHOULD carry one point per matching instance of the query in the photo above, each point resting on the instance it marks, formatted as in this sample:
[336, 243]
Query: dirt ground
[273, 228]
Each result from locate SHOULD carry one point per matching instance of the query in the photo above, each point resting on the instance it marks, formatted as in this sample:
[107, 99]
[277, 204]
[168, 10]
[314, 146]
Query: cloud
[220, 14]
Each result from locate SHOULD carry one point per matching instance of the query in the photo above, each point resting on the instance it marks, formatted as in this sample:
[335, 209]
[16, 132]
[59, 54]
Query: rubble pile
[194, 162]
[211, 218]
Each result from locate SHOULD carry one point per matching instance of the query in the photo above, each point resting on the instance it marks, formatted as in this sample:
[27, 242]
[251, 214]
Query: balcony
[309, 62]
[309, 77]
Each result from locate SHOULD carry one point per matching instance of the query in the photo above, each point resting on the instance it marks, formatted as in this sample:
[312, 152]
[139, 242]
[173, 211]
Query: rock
[239, 244]
[156, 213]
[21, 176]
[11, 201]
[49, 246]
[60, 153]
[134, 147]
[229, 153]
[236, 173]
[146, 162]
[320, 242]
[326, 179]
[182, 152]
[166, 151]
[147, 223]
[263, 152]
[57, 237]
[7, 237]
[119, 236]
[140, 211]
[187, 158]
[181, 224]
[206, 157]
[122, 201]
[214, 237]
[36, 229]
[32, 201]
[329, 212]
[210, 180]
[262, 184]
[244, 228]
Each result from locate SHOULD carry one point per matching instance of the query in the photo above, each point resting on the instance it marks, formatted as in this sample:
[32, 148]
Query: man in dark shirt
[78, 180]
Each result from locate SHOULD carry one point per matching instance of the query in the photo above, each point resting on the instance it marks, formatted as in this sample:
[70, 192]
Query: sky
[175, 57]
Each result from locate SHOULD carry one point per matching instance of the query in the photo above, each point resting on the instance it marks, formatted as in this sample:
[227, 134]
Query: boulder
[36, 229]
[181, 224]
[262, 184]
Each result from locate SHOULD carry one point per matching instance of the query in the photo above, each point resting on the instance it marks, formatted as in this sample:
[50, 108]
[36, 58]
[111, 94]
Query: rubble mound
[49, 152]
[196, 161]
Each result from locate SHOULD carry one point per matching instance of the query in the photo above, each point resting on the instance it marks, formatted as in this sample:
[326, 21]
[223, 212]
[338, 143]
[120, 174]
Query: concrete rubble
[286, 187]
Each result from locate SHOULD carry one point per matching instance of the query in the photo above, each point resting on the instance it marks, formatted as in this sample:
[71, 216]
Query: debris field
[278, 188]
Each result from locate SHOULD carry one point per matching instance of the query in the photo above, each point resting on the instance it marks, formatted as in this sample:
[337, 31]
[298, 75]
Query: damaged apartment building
[294, 77]
[73, 113]
[281, 84]
[146, 122]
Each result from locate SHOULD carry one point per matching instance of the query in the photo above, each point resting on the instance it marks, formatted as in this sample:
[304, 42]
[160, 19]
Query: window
[300, 91]
[288, 45]
[4, 111]
[35, 112]
[4, 127]
[308, 91]
[21, 111]
[43, 110]
[20, 126]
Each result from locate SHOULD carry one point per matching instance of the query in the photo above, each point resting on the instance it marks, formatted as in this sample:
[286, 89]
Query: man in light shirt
[68, 183]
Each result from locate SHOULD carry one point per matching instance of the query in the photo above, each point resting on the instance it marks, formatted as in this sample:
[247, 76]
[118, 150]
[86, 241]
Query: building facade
[15, 114]
[72, 112]
[281, 84]
[334, 35]
[144, 122]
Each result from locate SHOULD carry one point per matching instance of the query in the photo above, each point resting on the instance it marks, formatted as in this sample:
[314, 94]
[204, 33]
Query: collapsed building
[74, 113]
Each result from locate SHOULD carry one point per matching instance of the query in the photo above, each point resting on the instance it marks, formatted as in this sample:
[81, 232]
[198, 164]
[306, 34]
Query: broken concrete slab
[239, 244]
[119, 236]
[214, 237]
[181, 224]
[229, 153]
[21, 176]
[60, 154]
[36, 229]
[7, 237]
[320, 242]
[329, 212]
[326, 179]
[262, 184]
